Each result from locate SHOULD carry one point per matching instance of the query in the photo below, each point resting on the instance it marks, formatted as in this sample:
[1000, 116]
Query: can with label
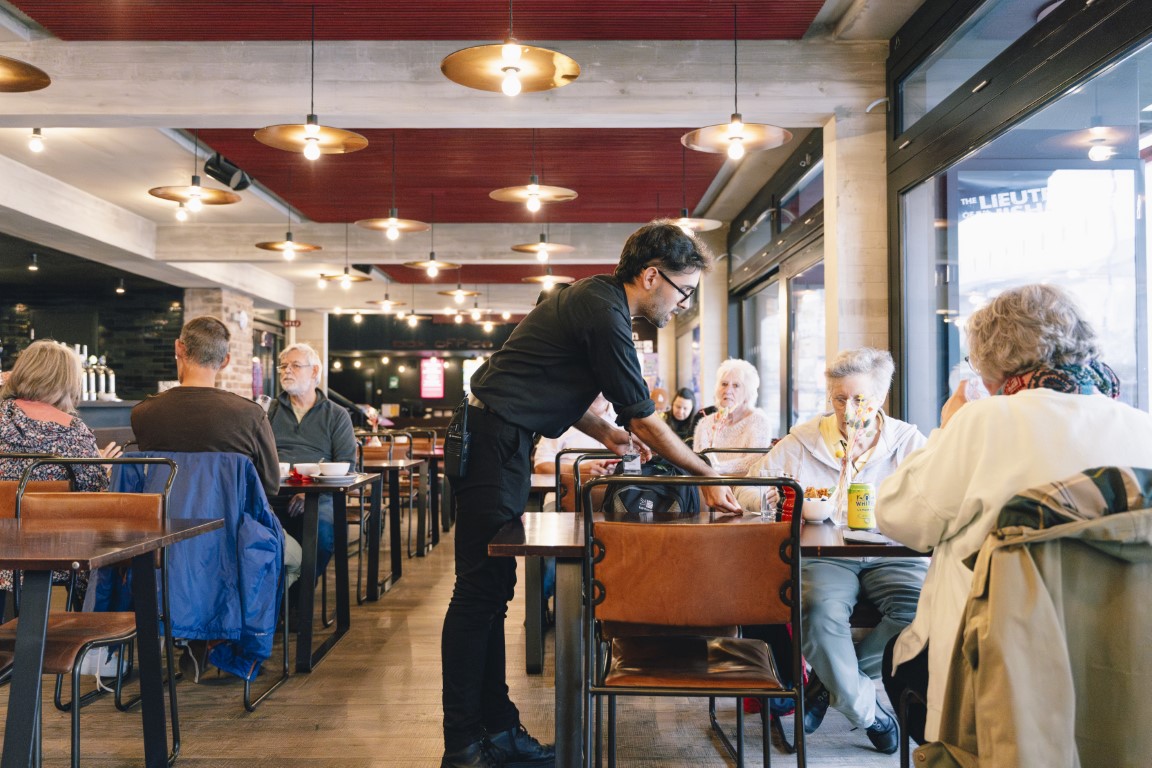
[861, 506]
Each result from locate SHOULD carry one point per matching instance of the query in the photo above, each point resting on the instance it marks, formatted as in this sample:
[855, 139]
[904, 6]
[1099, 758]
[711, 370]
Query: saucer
[334, 478]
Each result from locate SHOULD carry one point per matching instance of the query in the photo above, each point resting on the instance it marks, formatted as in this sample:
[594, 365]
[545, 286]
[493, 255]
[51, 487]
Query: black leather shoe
[478, 754]
[884, 733]
[815, 704]
[520, 749]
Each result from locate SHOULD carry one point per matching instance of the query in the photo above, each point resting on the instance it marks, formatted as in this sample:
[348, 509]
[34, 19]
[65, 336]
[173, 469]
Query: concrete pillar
[313, 331]
[235, 310]
[855, 232]
[713, 297]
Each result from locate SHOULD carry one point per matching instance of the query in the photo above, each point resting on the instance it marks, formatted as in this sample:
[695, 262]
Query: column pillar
[855, 231]
[235, 310]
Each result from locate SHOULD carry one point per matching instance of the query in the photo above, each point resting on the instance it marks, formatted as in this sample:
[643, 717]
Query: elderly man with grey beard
[308, 428]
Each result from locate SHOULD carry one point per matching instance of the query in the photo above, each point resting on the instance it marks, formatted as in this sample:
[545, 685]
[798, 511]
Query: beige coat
[1054, 650]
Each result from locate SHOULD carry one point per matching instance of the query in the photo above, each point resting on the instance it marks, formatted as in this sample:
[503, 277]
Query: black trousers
[911, 675]
[494, 491]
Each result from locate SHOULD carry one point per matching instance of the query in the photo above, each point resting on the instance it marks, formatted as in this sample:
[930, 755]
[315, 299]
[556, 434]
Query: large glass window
[1060, 198]
[985, 35]
[762, 320]
[798, 200]
[806, 301]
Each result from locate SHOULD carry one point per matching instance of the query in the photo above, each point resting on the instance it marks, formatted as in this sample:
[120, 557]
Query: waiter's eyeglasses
[687, 293]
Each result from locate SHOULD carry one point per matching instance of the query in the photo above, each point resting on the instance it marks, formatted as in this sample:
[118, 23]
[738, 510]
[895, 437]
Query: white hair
[310, 357]
[867, 361]
[747, 374]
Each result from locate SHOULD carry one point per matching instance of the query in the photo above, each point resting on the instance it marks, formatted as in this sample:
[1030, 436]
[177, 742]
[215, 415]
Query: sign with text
[432, 378]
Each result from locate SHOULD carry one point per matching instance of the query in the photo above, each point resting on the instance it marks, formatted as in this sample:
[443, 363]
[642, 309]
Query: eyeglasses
[687, 293]
[294, 367]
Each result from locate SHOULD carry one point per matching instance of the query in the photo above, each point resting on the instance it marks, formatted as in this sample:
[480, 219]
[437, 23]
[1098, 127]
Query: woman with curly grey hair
[1053, 414]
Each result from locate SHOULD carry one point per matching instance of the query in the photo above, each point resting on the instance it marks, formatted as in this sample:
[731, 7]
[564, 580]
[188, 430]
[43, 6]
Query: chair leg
[739, 733]
[611, 732]
[766, 734]
[250, 704]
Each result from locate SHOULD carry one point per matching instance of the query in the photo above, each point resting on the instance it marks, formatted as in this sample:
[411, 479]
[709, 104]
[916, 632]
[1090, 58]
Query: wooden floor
[374, 702]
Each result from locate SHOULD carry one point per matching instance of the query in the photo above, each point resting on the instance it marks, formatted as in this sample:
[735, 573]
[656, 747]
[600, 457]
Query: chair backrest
[375, 453]
[8, 492]
[569, 483]
[703, 574]
[141, 508]
[707, 453]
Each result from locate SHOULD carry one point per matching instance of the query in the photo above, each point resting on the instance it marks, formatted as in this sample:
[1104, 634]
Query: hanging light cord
[393, 170]
[432, 224]
[683, 177]
[312, 90]
[195, 150]
[735, 64]
[509, 18]
[286, 202]
[533, 151]
[346, 260]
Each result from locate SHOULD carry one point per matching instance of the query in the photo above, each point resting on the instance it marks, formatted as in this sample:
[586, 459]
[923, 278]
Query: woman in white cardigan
[737, 422]
[1053, 413]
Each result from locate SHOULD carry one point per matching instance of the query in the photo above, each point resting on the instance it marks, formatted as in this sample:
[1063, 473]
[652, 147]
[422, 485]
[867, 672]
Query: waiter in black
[575, 343]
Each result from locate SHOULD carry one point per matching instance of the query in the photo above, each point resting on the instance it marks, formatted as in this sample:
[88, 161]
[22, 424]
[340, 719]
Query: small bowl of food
[307, 470]
[817, 510]
[334, 468]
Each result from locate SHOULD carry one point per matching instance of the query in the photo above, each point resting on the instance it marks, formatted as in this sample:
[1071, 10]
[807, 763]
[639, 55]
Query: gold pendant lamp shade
[188, 194]
[510, 67]
[20, 77]
[544, 248]
[736, 137]
[548, 280]
[689, 224]
[288, 246]
[311, 139]
[393, 225]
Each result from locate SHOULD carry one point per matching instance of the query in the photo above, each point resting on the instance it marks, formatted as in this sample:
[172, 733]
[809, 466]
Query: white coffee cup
[285, 468]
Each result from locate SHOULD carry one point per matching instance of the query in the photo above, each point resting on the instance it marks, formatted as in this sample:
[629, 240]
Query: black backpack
[627, 503]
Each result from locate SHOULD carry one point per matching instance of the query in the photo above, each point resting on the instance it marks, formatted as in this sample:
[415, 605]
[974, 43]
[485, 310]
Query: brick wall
[230, 307]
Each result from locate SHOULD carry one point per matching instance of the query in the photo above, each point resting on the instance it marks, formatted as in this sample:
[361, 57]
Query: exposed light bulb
[433, 270]
[321, 283]
[510, 85]
[289, 247]
[356, 363]
[402, 368]
[506, 315]
[458, 319]
[181, 213]
[357, 318]
[542, 255]
[736, 137]
[459, 298]
[194, 204]
[1101, 152]
[337, 365]
[392, 233]
[510, 51]
[312, 147]
[475, 315]
[36, 141]
[120, 289]
[311, 126]
[533, 201]
[548, 283]
[412, 324]
[346, 281]
[487, 326]
[384, 360]
[33, 264]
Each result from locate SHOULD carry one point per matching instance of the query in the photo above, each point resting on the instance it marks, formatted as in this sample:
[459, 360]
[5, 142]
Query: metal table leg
[570, 716]
[24, 696]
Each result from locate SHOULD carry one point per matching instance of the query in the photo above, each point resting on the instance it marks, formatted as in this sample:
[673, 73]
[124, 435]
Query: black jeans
[495, 490]
[911, 675]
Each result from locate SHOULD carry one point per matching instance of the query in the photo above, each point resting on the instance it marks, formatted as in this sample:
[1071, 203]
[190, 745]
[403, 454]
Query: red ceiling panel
[617, 173]
[438, 20]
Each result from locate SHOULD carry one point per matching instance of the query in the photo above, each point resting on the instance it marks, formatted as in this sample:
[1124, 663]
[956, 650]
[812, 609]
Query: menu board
[432, 378]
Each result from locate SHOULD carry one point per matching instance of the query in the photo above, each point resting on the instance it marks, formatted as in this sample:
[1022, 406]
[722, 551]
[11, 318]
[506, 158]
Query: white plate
[335, 478]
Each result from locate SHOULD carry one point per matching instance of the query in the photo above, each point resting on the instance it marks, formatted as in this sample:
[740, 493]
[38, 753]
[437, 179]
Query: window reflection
[806, 300]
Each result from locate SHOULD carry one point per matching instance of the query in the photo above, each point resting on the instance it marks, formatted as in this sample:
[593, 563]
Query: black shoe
[520, 749]
[478, 754]
[815, 704]
[884, 733]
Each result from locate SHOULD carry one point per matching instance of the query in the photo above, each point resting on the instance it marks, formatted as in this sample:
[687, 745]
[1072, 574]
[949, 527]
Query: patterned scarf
[1073, 379]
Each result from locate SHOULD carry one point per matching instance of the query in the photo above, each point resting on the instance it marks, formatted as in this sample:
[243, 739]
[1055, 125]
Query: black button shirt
[573, 345]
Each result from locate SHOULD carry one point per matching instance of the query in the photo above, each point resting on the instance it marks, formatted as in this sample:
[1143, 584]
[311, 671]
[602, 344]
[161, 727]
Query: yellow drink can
[861, 506]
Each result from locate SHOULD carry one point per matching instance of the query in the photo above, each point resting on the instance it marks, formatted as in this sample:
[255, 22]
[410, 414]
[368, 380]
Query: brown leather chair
[659, 591]
[8, 509]
[71, 635]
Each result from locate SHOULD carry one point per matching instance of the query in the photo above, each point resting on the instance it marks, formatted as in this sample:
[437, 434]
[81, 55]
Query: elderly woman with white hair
[816, 453]
[736, 422]
[1053, 413]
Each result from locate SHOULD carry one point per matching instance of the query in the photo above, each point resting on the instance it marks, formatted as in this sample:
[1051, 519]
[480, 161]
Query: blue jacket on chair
[224, 585]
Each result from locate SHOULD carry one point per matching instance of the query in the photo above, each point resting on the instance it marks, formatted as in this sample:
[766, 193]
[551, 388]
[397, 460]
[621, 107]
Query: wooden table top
[392, 463]
[357, 480]
[561, 534]
[542, 482]
[37, 545]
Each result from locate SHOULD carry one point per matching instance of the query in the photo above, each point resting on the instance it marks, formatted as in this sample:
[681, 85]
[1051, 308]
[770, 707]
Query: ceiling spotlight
[393, 225]
[736, 137]
[33, 264]
[36, 141]
[120, 288]
[20, 77]
[510, 67]
[311, 138]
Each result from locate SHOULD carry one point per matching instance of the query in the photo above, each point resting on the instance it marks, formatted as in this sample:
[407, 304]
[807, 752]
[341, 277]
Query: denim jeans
[831, 588]
[495, 491]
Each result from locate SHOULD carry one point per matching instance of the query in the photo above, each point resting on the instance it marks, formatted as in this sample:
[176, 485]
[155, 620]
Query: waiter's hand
[720, 497]
[620, 442]
[296, 505]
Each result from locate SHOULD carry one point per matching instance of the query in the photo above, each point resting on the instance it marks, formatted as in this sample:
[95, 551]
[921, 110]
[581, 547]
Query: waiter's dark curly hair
[662, 244]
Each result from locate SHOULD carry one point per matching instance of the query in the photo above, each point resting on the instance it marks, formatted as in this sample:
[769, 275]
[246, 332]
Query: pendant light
[311, 138]
[689, 224]
[194, 196]
[36, 141]
[458, 294]
[430, 265]
[544, 248]
[510, 67]
[386, 303]
[533, 194]
[393, 225]
[20, 77]
[347, 277]
[548, 280]
[413, 317]
[736, 137]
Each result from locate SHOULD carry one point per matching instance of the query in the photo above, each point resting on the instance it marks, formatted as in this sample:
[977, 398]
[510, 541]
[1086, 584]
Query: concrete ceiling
[133, 82]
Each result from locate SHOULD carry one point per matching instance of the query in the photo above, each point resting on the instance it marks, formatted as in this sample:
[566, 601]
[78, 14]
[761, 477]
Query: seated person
[737, 422]
[682, 415]
[544, 456]
[1053, 412]
[197, 417]
[308, 427]
[38, 415]
[814, 453]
